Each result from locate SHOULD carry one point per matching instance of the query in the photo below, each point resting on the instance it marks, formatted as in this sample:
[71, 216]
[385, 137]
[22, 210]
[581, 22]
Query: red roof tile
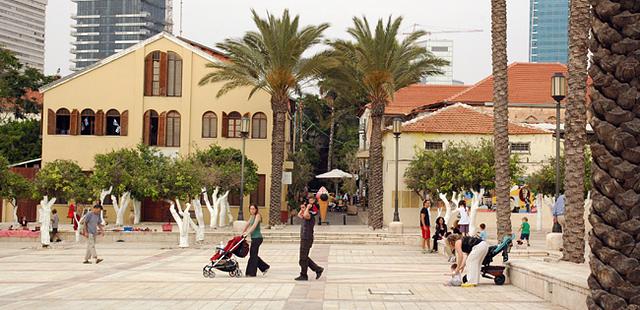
[462, 119]
[418, 95]
[528, 83]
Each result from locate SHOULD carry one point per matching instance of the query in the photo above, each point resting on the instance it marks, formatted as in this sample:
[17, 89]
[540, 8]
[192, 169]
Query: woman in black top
[470, 252]
[439, 233]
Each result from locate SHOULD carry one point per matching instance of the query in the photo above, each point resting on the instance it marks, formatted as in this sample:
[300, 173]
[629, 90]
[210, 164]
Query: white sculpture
[45, 219]
[197, 207]
[447, 208]
[183, 223]
[439, 213]
[14, 204]
[538, 203]
[213, 210]
[475, 205]
[223, 202]
[120, 207]
[137, 210]
[103, 195]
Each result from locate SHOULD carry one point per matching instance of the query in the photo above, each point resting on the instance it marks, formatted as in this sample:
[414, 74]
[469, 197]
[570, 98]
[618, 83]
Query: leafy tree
[20, 140]
[271, 60]
[544, 180]
[221, 167]
[62, 179]
[183, 180]
[301, 175]
[117, 169]
[13, 185]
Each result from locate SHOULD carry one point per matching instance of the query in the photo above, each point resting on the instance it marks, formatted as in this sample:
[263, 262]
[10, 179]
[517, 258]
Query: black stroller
[223, 258]
[496, 272]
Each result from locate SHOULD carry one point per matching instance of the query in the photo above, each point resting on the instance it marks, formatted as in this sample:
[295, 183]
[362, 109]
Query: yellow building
[149, 93]
[451, 125]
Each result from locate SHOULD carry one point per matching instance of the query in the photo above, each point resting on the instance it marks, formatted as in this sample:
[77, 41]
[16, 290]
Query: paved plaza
[152, 276]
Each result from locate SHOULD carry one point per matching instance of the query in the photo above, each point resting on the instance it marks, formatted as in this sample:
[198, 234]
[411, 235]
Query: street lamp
[244, 133]
[558, 93]
[397, 130]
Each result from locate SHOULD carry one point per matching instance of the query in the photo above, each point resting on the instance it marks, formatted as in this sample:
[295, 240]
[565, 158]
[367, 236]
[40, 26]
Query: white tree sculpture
[137, 210]
[439, 213]
[14, 204]
[103, 195]
[45, 219]
[538, 203]
[447, 207]
[120, 206]
[197, 207]
[224, 208]
[475, 205]
[183, 223]
[213, 210]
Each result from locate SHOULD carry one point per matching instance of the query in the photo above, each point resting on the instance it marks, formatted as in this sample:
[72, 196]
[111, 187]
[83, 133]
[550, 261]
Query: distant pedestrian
[558, 212]
[253, 229]
[463, 224]
[439, 233]
[525, 230]
[307, 214]
[92, 227]
[425, 225]
[55, 221]
[24, 223]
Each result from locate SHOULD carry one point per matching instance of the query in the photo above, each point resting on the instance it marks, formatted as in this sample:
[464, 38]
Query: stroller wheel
[499, 280]
[237, 273]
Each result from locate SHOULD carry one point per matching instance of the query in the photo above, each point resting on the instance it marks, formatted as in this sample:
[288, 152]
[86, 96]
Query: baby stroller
[496, 272]
[223, 258]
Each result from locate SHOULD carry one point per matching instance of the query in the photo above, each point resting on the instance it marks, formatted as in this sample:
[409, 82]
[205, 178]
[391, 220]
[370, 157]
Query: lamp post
[397, 130]
[244, 133]
[558, 93]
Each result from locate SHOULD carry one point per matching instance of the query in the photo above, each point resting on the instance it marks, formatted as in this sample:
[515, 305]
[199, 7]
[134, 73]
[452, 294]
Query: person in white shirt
[463, 224]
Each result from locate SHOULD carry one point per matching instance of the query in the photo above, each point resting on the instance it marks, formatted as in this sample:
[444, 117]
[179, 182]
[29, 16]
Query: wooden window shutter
[146, 127]
[51, 122]
[258, 196]
[124, 123]
[225, 125]
[100, 120]
[75, 122]
[163, 74]
[162, 135]
[148, 75]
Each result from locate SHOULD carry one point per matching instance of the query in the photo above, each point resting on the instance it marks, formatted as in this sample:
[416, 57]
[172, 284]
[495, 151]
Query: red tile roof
[462, 119]
[418, 95]
[204, 48]
[528, 83]
[32, 95]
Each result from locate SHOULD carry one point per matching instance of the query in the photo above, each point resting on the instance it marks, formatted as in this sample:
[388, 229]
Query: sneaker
[301, 278]
[86, 262]
[319, 273]
[467, 285]
[264, 273]
[528, 244]
[98, 260]
[424, 251]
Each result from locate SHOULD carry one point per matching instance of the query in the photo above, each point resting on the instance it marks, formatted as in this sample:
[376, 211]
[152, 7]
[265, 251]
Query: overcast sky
[210, 21]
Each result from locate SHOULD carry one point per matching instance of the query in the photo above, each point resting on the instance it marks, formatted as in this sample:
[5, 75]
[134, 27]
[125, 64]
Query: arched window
[63, 121]
[174, 75]
[153, 73]
[113, 124]
[209, 125]
[150, 134]
[87, 122]
[259, 126]
[234, 120]
[173, 129]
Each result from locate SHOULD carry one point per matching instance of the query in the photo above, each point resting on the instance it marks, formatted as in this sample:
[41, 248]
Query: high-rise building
[548, 31]
[441, 49]
[105, 27]
[22, 30]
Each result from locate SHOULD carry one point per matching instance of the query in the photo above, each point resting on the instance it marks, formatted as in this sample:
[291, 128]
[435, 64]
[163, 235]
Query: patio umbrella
[336, 174]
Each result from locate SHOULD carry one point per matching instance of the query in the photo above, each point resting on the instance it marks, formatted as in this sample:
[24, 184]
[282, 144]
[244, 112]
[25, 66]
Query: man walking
[558, 212]
[307, 214]
[92, 227]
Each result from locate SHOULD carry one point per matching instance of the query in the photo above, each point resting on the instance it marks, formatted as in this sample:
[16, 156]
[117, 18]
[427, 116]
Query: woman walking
[463, 224]
[470, 251]
[253, 229]
[439, 233]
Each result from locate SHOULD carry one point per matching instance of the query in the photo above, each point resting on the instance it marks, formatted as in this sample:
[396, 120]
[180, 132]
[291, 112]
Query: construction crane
[429, 33]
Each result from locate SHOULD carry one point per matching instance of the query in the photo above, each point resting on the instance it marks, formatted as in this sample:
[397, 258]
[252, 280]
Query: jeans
[91, 247]
[255, 262]
[305, 261]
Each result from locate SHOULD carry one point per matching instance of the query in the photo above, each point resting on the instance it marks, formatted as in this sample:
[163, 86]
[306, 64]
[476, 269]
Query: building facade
[548, 31]
[106, 27]
[22, 30]
[149, 94]
[441, 49]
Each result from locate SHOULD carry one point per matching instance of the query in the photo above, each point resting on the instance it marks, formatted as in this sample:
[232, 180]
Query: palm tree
[575, 132]
[501, 114]
[615, 216]
[271, 60]
[379, 64]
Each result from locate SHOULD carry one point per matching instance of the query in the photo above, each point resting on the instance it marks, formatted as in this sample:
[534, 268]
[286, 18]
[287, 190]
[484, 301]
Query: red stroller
[223, 258]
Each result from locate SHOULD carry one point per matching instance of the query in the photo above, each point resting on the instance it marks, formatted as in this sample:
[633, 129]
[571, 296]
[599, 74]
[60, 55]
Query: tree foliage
[13, 185]
[62, 179]
[454, 168]
[222, 167]
[20, 140]
[119, 169]
[544, 180]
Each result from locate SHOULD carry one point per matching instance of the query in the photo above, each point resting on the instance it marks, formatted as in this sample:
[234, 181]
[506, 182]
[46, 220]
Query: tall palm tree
[379, 64]
[575, 132]
[271, 60]
[501, 114]
[615, 214]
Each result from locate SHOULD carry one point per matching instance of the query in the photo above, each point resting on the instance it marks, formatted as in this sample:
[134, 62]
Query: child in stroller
[223, 258]
[496, 272]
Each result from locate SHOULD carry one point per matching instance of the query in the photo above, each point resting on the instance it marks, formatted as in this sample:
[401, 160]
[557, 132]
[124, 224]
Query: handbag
[557, 228]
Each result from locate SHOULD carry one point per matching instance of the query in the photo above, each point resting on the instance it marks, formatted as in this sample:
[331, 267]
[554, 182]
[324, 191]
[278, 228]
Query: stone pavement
[152, 276]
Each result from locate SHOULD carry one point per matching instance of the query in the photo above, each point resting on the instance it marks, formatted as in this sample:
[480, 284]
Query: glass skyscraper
[548, 31]
[105, 27]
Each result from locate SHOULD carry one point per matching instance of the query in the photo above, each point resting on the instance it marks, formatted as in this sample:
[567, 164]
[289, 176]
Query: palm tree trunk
[332, 127]
[575, 132]
[277, 158]
[615, 214]
[501, 114]
[375, 165]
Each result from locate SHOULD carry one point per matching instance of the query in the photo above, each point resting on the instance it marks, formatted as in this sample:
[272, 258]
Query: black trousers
[255, 262]
[305, 261]
[436, 237]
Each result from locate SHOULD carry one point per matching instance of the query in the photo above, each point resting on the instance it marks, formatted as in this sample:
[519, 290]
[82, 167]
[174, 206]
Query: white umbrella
[336, 174]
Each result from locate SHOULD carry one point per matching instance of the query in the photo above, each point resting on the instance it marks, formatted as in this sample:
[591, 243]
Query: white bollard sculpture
[183, 223]
[213, 210]
[475, 205]
[120, 206]
[103, 195]
[45, 220]
[223, 209]
[137, 210]
[197, 208]
[439, 213]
